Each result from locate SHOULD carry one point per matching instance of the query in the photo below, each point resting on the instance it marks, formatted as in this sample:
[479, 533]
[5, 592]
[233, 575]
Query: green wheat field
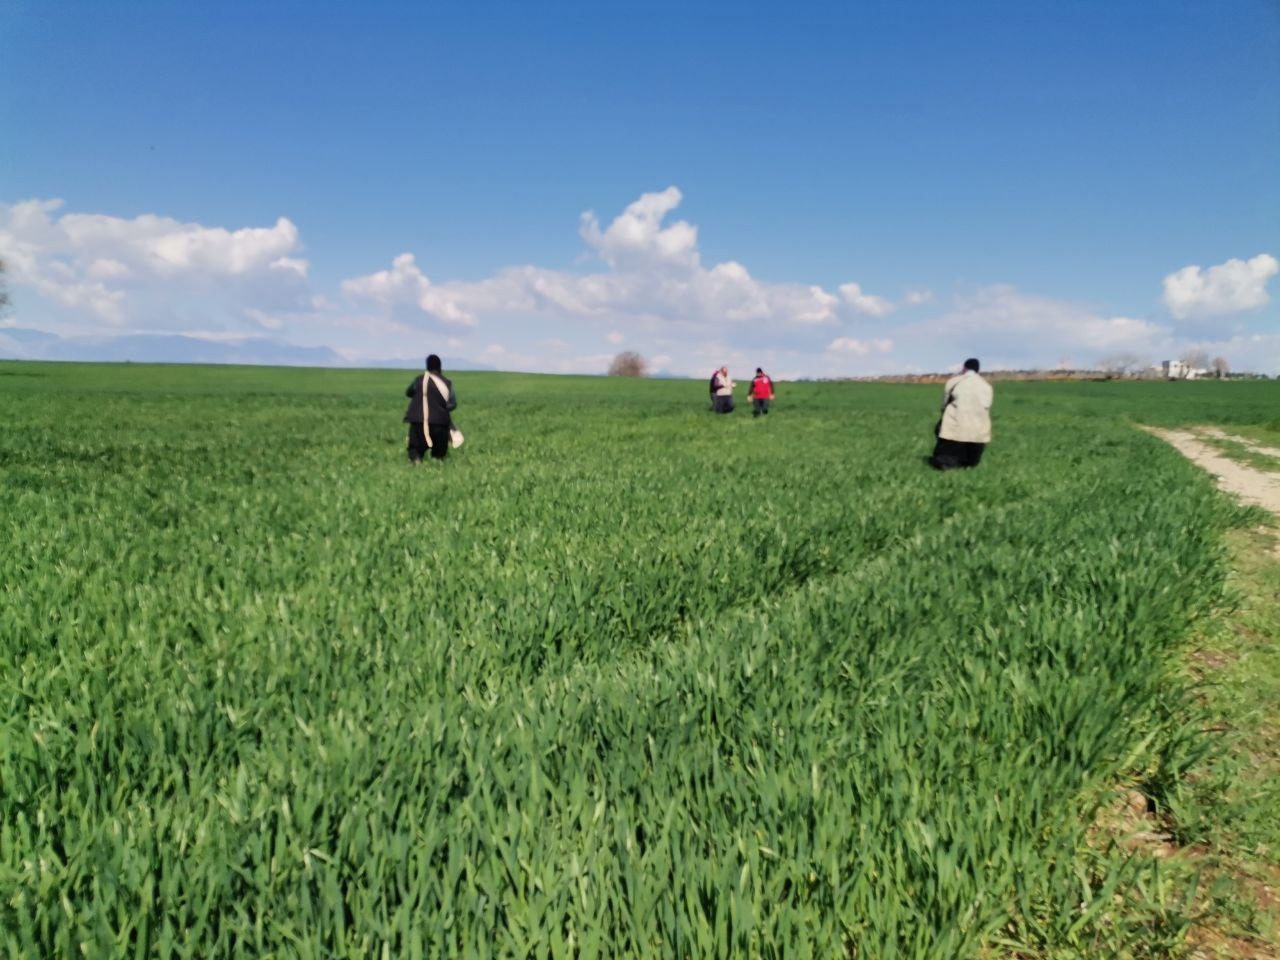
[620, 678]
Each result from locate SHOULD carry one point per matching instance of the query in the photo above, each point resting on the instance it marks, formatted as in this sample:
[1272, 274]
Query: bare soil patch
[1240, 480]
[1217, 433]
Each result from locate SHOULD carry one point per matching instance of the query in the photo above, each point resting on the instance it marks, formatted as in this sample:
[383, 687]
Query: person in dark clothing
[432, 400]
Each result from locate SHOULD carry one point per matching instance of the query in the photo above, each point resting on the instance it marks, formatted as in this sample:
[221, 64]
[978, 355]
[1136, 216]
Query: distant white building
[1177, 370]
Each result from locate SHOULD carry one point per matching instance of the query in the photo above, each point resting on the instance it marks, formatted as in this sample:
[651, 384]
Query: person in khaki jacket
[723, 399]
[965, 428]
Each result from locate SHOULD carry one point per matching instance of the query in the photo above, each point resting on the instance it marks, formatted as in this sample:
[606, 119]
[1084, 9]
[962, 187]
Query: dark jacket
[437, 409]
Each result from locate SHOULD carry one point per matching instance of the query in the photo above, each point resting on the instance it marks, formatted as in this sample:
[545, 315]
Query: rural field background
[620, 678]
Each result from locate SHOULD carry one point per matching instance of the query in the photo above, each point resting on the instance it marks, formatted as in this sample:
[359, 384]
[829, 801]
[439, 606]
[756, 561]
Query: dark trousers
[759, 406]
[950, 454]
[723, 404]
[418, 441]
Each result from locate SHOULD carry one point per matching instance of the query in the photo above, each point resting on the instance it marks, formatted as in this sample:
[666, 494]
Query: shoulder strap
[440, 385]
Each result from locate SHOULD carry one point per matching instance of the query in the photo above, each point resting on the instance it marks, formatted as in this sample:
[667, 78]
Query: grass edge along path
[1222, 824]
[1230, 810]
[1212, 840]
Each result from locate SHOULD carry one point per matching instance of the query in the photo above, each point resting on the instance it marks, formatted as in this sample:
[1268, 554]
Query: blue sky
[822, 189]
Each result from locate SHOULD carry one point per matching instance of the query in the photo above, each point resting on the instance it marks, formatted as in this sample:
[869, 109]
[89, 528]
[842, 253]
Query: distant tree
[4, 291]
[1220, 367]
[1194, 359]
[1120, 365]
[629, 364]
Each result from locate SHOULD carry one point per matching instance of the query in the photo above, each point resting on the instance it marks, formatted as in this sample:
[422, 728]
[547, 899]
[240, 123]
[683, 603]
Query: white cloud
[1230, 287]
[647, 287]
[161, 246]
[81, 274]
[404, 282]
[133, 271]
[654, 280]
[1009, 328]
[299, 267]
[59, 283]
[859, 347]
[263, 319]
[865, 303]
[1259, 352]
[555, 361]
[107, 269]
[637, 239]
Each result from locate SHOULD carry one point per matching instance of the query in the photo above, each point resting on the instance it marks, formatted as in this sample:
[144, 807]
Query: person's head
[759, 372]
[724, 369]
[972, 364]
[433, 364]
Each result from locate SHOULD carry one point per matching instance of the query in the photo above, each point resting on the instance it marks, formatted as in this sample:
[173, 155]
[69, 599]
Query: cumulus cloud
[126, 270]
[644, 283]
[860, 347]
[1025, 330]
[865, 303]
[1004, 310]
[553, 358]
[107, 268]
[1255, 352]
[292, 264]
[637, 239]
[404, 282]
[1230, 287]
[655, 279]
[160, 246]
[87, 274]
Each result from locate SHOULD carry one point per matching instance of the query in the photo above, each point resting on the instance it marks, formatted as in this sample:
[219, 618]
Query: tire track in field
[1246, 483]
[1217, 434]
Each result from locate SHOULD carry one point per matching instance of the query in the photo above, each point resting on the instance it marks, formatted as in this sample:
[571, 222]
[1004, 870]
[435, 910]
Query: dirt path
[1251, 486]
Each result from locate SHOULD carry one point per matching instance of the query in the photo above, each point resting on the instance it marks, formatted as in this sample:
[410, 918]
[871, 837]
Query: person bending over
[965, 428]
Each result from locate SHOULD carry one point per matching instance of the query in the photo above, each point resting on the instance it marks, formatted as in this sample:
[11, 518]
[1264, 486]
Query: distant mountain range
[19, 343]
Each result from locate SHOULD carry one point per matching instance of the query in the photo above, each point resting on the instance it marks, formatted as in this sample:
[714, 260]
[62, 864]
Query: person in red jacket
[761, 393]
